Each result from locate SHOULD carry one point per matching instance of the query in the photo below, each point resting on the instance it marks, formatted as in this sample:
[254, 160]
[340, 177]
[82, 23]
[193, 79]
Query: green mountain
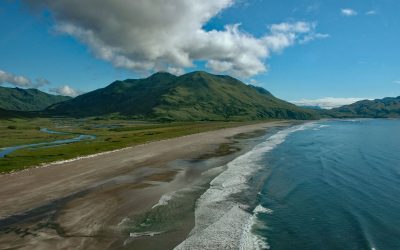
[388, 107]
[17, 99]
[193, 96]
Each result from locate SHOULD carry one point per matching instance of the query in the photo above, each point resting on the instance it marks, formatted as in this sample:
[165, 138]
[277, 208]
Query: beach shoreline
[80, 203]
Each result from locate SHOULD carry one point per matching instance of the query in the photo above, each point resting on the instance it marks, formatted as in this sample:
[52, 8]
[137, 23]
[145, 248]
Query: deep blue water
[335, 185]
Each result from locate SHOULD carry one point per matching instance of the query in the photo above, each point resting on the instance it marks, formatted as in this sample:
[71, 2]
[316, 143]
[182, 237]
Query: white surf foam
[250, 240]
[149, 234]
[164, 199]
[321, 126]
[132, 236]
[123, 222]
[219, 218]
[261, 209]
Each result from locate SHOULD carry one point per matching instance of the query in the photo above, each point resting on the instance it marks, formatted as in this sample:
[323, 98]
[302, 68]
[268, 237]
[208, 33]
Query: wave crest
[219, 218]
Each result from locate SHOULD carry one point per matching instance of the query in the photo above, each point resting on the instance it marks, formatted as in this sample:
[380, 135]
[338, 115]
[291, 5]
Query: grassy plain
[110, 135]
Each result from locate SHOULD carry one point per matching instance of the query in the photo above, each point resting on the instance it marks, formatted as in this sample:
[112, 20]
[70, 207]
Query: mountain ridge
[388, 107]
[18, 99]
[196, 95]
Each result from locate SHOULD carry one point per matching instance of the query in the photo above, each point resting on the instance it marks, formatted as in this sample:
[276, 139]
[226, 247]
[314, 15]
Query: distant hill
[388, 107]
[312, 107]
[18, 99]
[193, 96]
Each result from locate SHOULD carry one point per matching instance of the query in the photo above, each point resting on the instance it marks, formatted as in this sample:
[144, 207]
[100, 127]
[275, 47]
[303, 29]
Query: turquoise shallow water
[334, 185]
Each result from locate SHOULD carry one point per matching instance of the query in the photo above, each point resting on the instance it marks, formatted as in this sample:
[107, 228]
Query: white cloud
[154, 35]
[21, 81]
[371, 13]
[328, 102]
[348, 12]
[312, 37]
[175, 71]
[15, 80]
[66, 91]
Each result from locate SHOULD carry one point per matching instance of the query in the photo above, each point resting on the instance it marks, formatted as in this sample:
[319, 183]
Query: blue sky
[354, 51]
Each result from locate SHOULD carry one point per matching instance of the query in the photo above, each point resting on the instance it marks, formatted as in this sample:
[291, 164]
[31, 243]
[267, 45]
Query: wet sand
[97, 202]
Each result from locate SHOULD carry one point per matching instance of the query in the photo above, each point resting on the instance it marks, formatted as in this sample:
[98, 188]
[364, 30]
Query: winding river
[9, 150]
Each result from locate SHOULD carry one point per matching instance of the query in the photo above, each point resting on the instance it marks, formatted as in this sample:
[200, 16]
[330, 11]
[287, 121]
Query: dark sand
[105, 201]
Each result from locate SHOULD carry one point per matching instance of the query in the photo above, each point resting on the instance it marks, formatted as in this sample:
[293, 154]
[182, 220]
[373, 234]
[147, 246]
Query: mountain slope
[129, 97]
[193, 96]
[380, 108]
[27, 99]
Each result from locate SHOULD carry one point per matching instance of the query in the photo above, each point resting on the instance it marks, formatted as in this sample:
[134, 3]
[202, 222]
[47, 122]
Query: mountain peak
[199, 74]
[162, 74]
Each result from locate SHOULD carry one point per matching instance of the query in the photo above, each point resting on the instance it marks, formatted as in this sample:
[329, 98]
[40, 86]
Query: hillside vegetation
[18, 99]
[193, 96]
[388, 107]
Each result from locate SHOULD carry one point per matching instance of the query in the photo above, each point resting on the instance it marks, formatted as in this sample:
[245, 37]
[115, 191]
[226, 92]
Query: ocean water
[322, 185]
[335, 185]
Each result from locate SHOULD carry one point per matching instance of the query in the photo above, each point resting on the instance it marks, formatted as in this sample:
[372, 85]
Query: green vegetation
[4, 114]
[131, 112]
[27, 99]
[388, 107]
[196, 96]
[111, 134]
[21, 131]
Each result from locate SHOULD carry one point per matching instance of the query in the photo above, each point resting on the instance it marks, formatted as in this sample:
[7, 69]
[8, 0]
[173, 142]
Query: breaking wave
[223, 222]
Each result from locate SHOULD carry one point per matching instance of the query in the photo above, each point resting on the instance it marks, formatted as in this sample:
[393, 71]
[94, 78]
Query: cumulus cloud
[328, 102]
[371, 13]
[153, 35]
[66, 91]
[21, 81]
[348, 12]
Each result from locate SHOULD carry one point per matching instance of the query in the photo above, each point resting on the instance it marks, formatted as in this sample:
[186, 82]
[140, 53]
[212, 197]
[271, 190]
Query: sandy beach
[97, 202]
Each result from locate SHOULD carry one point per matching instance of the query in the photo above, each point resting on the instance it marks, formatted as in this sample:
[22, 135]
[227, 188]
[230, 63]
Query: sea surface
[322, 185]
